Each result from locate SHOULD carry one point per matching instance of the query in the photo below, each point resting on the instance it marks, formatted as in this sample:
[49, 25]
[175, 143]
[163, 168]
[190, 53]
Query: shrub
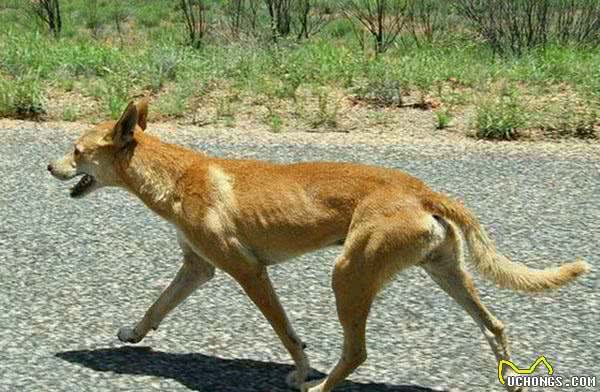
[280, 16]
[383, 20]
[340, 28]
[427, 19]
[163, 67]
[443, 117]
[384, 92]
[22, 98]
[326, 115]
[509, 26]
[70, 113]
[48, 12]
[312, 17]
[92, 18]
[194, 16]
[241, 16]
[513, 27]
[577, 21]
[273, 120]
[176, 103]
[571, 121]
[500, 119]
[225, 111]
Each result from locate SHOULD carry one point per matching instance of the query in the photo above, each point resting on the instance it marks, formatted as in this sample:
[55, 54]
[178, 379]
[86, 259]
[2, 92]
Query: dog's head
[94, 154]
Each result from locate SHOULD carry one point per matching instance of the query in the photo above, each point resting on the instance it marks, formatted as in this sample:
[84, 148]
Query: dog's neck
[150, 169]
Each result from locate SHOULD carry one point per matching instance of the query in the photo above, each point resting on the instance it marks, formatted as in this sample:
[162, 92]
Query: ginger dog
[242, 216]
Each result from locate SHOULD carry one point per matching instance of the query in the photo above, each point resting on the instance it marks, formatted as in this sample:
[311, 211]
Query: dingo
[243, 215]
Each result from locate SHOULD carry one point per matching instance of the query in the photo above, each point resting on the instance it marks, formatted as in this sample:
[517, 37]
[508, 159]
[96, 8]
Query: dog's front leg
[259, 288]
[193, 273]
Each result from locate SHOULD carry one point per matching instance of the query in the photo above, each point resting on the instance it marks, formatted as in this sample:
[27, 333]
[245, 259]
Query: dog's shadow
[206, 373]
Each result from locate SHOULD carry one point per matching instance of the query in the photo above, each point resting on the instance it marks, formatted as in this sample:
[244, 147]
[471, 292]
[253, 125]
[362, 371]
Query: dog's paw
[295, 379]
[312, 386]
[128, 335]
[508, 372]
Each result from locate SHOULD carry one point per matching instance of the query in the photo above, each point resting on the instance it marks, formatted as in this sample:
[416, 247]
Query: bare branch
[194, 16]
[48, 12]
[383, 19]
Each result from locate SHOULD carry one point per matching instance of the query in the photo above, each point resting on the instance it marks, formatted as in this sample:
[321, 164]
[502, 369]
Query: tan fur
[497, 267]
[219, 217]
[241, 216]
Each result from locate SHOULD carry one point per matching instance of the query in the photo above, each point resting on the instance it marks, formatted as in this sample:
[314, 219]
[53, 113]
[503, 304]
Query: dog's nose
[50, 167]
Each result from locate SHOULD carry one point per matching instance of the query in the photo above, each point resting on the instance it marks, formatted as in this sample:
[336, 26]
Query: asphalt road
[73, 272]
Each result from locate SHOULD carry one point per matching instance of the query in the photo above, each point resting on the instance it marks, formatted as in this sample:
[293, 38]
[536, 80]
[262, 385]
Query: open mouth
[83, 186]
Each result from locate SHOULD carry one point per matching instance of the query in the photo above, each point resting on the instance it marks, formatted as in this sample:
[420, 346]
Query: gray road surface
[73, 272]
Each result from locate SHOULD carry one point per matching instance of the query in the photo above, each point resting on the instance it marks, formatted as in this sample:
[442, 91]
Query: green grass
[225, 110]
[326, 113]
[500, 118]
[498, 121]
[151, 57]
[70, 113]
[273, 120]
[443, 118]
[22, 98]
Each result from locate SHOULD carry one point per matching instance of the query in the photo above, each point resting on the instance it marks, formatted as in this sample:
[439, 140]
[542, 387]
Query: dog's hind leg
[354, 294]
[194, 272]
[376, 249]
[445, 268]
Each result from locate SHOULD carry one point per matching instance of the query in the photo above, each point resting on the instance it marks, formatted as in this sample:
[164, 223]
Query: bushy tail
[495, 266]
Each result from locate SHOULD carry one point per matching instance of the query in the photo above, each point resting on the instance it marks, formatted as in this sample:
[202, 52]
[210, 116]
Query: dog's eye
[77, 152]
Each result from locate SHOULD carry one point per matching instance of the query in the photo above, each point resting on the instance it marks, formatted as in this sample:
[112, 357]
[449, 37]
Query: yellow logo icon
[530, 370]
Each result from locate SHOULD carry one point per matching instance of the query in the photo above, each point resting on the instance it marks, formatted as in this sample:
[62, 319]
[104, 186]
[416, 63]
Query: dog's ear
[142, 110]
[123, 131]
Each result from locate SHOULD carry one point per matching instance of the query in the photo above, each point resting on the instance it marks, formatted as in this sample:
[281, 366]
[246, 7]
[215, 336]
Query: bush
[513, 27]
[326, 115]
[382, 19]
[48, 12]
[162, 68]
[509, 26]
[384, 92]
[427, 19]
[92, 17]
[176, 104]
[443, 117]
[280, 16]
[340, 28]
[22, 98]
[194, 16]
[571, 121]
[312, 17]
[577, 21]
[236, 13]
[70, 113]
[500, 119]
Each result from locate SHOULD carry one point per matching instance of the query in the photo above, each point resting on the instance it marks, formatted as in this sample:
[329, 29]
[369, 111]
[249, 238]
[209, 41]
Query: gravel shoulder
[431, 142]
[74, 272]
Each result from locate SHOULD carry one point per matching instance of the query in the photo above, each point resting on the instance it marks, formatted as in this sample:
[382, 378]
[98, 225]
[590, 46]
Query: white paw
[508, 372]
[312, 386]
[295, 379]
[128, 335]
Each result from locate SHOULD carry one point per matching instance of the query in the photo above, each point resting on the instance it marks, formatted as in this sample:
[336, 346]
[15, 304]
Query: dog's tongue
[81, 186]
